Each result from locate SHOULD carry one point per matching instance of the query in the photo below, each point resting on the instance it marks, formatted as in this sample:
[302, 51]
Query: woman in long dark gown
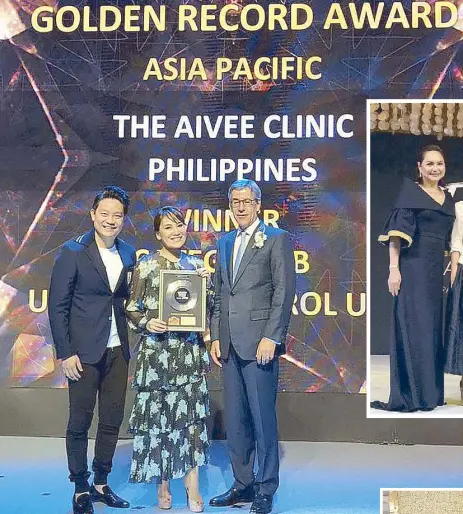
[454, 319]
[417, 232]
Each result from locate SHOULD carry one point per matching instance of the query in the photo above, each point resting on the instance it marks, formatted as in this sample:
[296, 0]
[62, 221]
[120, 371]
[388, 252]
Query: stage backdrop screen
[82, 110]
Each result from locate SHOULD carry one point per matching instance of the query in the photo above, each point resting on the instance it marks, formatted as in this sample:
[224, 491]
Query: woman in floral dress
[169, 415]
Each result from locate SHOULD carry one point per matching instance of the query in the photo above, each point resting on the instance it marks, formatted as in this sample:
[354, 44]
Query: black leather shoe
[262, 504]
[82, 505]
[108, 497]
[233, 497]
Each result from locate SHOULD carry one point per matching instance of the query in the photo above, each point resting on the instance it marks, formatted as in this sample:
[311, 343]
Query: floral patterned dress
[171, 406]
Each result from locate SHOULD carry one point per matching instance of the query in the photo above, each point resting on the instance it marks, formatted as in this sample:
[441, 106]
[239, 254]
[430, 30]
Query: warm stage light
[15, 15]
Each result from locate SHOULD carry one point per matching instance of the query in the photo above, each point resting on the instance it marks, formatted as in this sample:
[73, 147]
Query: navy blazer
[80, 299]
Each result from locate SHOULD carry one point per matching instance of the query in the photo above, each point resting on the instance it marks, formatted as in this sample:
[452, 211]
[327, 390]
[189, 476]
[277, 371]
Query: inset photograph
[415, 220]
[421, 501]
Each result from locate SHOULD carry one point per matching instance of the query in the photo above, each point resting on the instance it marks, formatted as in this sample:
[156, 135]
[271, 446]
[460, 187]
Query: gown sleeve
[400, 223]
[136, 309]
[456, 241]
[210, 299]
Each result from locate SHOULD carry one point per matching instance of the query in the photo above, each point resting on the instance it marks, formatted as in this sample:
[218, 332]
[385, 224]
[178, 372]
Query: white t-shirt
[113, 264]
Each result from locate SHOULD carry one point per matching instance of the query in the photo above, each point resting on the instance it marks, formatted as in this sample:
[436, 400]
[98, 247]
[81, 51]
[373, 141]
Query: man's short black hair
[112, 192]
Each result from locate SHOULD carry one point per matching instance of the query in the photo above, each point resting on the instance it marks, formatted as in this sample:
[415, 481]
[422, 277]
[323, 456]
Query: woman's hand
[156, 326]
[453, 274]
[204, 273]
[215, 352]
[394, 281]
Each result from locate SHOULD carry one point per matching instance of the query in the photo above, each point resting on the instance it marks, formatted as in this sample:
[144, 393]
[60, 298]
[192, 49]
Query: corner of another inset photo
[421, 501]
[415, 259]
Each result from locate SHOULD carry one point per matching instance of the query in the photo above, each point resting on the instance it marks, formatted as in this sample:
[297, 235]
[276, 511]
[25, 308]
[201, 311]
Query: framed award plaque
[182, 300]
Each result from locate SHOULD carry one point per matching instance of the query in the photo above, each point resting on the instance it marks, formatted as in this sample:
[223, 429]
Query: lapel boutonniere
[259, 239]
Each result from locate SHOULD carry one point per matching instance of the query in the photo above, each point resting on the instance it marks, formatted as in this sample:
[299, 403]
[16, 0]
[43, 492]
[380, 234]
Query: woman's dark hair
[117, 193]
[172, 213]
[421, 153]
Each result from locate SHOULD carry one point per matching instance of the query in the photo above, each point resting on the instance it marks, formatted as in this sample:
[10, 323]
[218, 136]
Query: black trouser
[108, 378]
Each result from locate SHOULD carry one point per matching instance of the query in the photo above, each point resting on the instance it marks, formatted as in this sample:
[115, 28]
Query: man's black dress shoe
[109, 497]
[233, 497]
[82, 505]
[262, 504]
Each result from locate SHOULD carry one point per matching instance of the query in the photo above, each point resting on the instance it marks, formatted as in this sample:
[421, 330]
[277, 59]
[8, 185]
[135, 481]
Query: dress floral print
[171, 406]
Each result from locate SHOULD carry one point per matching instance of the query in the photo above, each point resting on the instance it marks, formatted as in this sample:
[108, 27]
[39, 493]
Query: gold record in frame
[181, 296]
[182, 300]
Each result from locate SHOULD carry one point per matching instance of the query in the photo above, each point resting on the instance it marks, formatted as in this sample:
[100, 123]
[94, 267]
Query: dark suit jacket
[80, 300]
[258, 304]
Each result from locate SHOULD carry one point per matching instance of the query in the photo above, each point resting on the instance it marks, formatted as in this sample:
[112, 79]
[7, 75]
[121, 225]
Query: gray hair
[243, 184]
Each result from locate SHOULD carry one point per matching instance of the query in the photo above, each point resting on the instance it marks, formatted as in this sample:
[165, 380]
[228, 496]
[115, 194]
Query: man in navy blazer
[255, 286]
[89, 285]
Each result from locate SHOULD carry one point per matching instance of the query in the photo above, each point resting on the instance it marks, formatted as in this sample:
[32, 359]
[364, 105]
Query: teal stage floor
[316, 478]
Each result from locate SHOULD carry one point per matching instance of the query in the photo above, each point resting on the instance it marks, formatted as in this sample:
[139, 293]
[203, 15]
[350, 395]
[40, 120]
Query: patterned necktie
[241, 250]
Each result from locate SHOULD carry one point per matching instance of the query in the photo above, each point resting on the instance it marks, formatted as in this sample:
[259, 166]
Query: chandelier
[424, 118]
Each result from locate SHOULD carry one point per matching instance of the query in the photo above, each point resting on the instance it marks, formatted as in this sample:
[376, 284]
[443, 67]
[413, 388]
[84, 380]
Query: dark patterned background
[58, 145]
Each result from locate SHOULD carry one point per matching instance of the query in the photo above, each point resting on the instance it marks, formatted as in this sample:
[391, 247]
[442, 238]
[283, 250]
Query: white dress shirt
[113, 264]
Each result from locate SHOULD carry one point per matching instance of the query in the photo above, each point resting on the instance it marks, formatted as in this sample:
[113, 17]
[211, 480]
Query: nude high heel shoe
[164, 502]
[194, 505]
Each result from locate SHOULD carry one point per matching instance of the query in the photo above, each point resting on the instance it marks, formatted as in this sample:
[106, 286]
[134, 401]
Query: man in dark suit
[89, 284]
[255, 286]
